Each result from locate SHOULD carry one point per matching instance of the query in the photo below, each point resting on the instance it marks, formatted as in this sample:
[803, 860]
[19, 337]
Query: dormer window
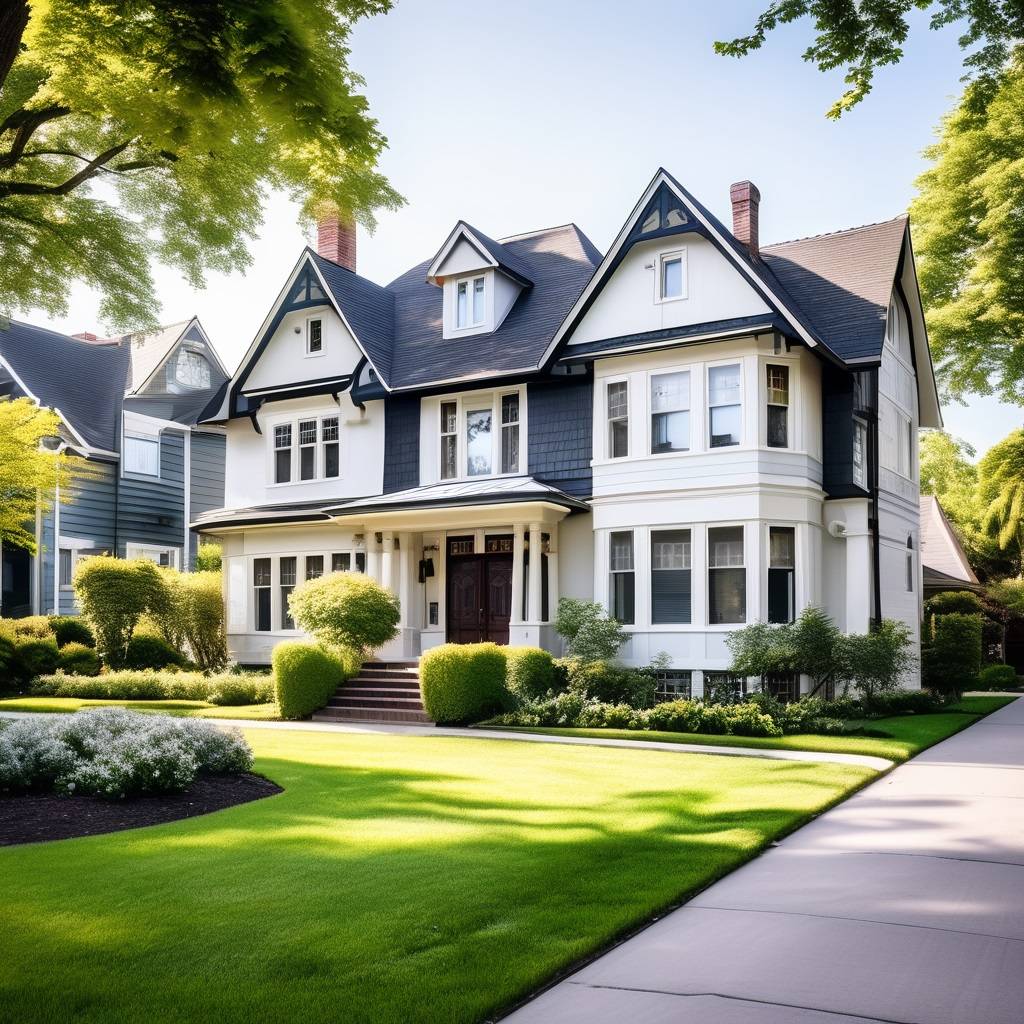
[192, 370]
[314, 336]
[469, 303]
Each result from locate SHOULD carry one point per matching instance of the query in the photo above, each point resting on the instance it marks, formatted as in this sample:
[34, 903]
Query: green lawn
[396, 878]
[906, 735]
[191, 708]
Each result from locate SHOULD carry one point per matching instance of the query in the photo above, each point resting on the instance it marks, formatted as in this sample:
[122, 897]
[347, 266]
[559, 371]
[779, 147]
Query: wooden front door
[479, 595]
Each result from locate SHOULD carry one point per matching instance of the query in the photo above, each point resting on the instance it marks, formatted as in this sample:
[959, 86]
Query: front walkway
[903, 904]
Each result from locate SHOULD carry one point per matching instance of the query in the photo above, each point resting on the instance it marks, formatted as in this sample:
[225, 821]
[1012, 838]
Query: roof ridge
[838, 231]
[538, 231]
[92, 345]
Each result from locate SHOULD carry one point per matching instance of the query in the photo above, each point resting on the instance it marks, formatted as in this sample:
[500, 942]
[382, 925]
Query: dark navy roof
[86, 382]
[505, 257]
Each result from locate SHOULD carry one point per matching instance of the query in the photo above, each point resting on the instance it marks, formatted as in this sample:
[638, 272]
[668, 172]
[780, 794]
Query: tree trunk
[13, 19]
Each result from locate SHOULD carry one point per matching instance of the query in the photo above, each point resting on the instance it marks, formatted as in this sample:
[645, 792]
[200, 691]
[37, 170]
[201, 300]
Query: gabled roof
[941, 550]
[84, 382]
[493, 253]
[844, 281]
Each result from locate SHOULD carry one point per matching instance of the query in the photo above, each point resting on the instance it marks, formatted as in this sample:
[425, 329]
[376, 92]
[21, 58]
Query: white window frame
[470, 285]
[668, 257]
[609, 420]
[147, 439]
[631, 571]
[788, 406]
[310, 320]
[911, 567]
[652, 412]
[295, 458]
[740, 403]
[133, 550]
[474, 402]
[709, 569]
[767, 542]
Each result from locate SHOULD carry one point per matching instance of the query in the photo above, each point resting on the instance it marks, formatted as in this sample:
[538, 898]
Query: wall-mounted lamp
[426, 569]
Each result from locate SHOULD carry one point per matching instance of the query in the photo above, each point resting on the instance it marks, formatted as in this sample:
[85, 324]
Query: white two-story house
[695, 430]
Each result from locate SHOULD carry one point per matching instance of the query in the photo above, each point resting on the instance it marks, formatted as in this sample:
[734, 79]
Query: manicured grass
[905, 735]
[190, 708]
[395, 879]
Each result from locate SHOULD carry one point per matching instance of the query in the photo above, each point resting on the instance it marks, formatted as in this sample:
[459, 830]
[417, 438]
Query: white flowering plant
[114, 753]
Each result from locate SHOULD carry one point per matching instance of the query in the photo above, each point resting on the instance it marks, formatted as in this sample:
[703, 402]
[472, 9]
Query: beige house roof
[941, 550]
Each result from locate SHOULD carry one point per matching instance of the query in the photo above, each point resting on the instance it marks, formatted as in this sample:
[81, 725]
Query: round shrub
[306, 675]
[37, 626]
[463, 683]
[613, 684]
[346, 609]
[746, 720]
[71, 629]
[963, 602]
[713, 719]
[529, 672]
[78, 660]
[675, 716]
[998, 677]
[147, 651]
[35, 657]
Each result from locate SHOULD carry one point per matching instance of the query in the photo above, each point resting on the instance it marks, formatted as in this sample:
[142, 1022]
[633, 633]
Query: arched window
[897, 328]
[910, 565]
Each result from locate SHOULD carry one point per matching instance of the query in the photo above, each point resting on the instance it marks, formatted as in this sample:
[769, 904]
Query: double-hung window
[860, 449]
[478, 441]
[314, 566]
[341, 561]
[142, 455]
[725, 411]
[283, 453]
[287, 570]
[777, 391]
[618, 419]
[261, 593]
[469, 303]
[307, 449]
[330, 437]
[670, 412]
[449, 440]
[510, 433]
[622, 577]
[314, 336]
[727, 576]
[671, 276]
[670, 576]
[781, 574]
[66, 564]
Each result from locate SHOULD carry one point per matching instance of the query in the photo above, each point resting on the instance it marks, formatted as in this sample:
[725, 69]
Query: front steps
[383, 691]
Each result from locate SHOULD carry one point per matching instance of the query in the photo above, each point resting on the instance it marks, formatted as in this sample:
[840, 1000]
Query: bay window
[670, 412]
[670, 576]
[777, 391]
[727, 576]
[283, 453]
[287, 567]
[618, 419]
[781, 574]
[622, 577]
[261, 593]
[725, 411]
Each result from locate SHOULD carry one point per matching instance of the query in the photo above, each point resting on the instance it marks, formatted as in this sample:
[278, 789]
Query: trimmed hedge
[463, 683]
[78, 660]
[224, 689]
[147, 651]
[529, 672]
[951, 655]
[71, 629]
[306, 676]
[998, 677]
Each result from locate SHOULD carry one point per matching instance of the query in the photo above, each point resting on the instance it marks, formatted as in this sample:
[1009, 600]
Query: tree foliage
[190, 616]
[863, 37]
[27, 469]
[590, 634]
[1001, 488]
[133, 130]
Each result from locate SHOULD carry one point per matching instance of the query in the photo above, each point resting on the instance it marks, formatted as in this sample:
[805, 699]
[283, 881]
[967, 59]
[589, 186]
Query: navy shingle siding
[560, 434]
[401, 443]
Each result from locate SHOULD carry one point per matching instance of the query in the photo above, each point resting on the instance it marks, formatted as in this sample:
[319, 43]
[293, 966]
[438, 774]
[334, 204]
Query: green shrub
[675, 716]
[951, 656]
[190, 616]
[78, 660]
[71, 629]
[612, 684]
[963, 602]
[589, 633]
[346, 609]
[208, 557]
[234, 691]
[529, 672]
[113, 594]
[34, 656]
[879, 660]
[145, 651]
[463, 683]
[224, 688]
[8, 674]
[899, 702]
[37, 626]
[747, 720]
[998, 677]
[306, 676]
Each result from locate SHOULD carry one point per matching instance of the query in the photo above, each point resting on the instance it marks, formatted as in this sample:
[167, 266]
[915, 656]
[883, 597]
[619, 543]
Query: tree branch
[93, 167]
[26, 122]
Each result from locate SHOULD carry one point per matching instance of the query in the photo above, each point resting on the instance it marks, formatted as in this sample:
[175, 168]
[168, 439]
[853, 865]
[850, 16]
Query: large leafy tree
[133, 130]
[29, 470]
[865, 35]
[1001, 488]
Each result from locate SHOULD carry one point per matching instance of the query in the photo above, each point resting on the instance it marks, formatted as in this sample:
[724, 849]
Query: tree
[946, 469]
[1001, 487]
[28, 469]
[137, 129]
[346, 609]
[863, 37]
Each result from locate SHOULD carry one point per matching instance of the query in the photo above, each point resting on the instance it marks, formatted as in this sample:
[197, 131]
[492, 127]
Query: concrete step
[369, 715]
[396, 682]
[408, 704]
[369, 690]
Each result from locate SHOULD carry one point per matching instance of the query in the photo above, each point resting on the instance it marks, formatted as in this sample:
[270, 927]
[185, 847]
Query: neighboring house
[944, 563]
[128, 407]
[694, 430]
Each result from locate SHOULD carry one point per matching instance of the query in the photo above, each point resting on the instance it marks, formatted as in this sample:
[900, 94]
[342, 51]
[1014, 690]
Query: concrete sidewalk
[904, 904]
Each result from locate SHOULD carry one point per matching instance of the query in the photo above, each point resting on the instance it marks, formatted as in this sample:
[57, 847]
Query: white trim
[135, 550]
[473, 401]
[669, 256]
[461, 230]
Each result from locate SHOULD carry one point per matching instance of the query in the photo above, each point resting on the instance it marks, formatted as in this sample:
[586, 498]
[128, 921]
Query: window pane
[287, 571]
[670, 432]
[618, 399]
[670, 576]
[315, 336]
[860, 436]
[725, 547]
[142, 455]
[282, 466]
[261, 583]
[510, 449]
[623, 597]
[314, 566]
[725, 426]
[509, 409]
[449, 417]
[329, 428]
[261, 572]
[778, 426]
[778, 385]
[449, 457]
[65, 567]
[781, 576]
[478, 442]
[728, 595]
[307, 432]
[462, 305]
[621, 552]
[724, 385]
[670, 549]
[341, 561]
[670, 391]
[672, 278]
[307, 463]
[330, 460]
[619, 439]
[360, 561]
[283, 436]
[781, 547]
[478, 300]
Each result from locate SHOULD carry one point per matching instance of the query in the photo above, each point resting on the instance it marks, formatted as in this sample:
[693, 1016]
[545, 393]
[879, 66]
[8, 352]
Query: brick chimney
[336, 240]
[745, 201]
[85, 336]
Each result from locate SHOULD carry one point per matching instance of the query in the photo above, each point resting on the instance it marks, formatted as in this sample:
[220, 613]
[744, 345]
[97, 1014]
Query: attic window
[314, 336]
[664, 213]
[192, 370]
[469, 303]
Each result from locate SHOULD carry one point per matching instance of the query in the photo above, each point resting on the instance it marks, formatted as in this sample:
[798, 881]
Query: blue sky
[520, 116]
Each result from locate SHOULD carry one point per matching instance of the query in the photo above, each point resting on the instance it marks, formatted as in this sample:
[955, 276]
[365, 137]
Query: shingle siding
[401, 443]
[560, 431]
[144, 502]
[207, 479]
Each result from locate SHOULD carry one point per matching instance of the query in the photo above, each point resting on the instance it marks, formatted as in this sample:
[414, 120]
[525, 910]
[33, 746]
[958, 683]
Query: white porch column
[534, 605]
[372, 556]
[518, 551]
[553, 572]
[387, 558]
[406, 589]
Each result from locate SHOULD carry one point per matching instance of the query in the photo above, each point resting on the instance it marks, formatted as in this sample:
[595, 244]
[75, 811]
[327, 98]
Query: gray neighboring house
[129, 407]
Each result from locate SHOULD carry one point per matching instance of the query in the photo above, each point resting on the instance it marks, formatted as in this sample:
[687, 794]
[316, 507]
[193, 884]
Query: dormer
[479, 279]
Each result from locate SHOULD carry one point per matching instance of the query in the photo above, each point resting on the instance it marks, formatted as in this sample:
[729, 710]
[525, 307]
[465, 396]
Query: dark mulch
[38, 817]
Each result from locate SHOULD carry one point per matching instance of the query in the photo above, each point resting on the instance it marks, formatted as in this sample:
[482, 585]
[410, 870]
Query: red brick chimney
[336, 240]
[85, 336]
[745, 201]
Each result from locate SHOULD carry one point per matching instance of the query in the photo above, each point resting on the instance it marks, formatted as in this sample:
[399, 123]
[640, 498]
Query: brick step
[371, 690]
[397, 716]
[410, 704]
[405, 666]
[380, 679]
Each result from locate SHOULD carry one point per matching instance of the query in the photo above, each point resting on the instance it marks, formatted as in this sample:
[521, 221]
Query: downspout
[876, 541]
